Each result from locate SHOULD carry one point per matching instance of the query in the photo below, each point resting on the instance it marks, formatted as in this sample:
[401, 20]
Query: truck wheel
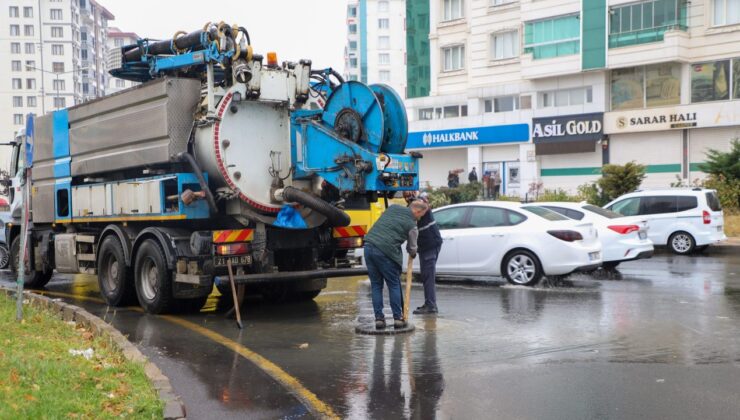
[153, 279]
[4, 256]
[114, 278]
[33, 279]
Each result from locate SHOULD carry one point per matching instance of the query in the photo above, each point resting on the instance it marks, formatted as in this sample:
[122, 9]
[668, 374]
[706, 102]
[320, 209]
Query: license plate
[235, 260]
[593, 256]
[642, 235]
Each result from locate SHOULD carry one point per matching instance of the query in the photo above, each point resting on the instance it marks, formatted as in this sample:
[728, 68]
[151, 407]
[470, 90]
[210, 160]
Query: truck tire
[153, 279]
[4, 256]
[33, 279]
[116, 281]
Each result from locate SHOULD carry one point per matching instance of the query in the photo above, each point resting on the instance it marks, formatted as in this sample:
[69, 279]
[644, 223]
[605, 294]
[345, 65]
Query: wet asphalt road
[658, 339]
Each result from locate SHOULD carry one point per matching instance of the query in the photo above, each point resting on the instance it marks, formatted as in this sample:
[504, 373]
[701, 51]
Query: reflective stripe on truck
[236, 235]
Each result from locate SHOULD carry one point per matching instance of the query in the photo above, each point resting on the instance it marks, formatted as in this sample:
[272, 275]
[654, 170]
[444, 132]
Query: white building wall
[118, 39]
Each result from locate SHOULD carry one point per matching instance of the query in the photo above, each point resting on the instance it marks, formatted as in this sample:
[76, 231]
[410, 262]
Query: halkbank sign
[474, 136]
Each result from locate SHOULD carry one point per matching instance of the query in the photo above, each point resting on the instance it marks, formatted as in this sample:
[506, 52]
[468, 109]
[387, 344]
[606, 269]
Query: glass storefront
[710, 81]
[650, 86]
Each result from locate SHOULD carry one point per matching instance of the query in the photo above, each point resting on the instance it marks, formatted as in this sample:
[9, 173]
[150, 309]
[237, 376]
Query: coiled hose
[336, 217]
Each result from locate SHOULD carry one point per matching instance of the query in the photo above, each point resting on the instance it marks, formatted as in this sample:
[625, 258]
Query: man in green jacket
[384, 258]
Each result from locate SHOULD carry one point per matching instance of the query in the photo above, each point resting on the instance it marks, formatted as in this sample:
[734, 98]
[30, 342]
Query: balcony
[673, 47]
[646, 22]
[643, 36]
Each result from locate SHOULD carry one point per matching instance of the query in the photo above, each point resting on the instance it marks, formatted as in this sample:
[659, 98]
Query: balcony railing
[643, 36]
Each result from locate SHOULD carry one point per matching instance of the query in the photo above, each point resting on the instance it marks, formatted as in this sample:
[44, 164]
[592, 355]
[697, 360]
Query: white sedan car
[498, 238]
[622, 238]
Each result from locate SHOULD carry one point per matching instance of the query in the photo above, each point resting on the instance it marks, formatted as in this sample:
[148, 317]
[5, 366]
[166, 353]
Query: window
[684, 203]
[626, 207]
[353, 77]
[57, 32]
[545, 213]
[638, 23]
[711, 81]
[60, 102]
[482, 217]
[451, 111]
[384, 58]
[352, 11]
[118, 42]
[384, 42]
[352, 27]
[501, 2]
[17, 84]
[525, 102]
[17, 101]
[658, 205]
[58, 84]
[57, 49]
[453, 58]
[31, 101]
[501, 104]
[120, 83]
[15, 30]
[426, 113]
[383, 6]
[566, 97]
[30, 48]
[726, 12]
[30, 65]
[31, 84]
[28, 30]
[601, 211]
[55, 14]
[713, 201]
[384, 75]
[83, 54]
[28, 12]
[353, 45]
[659, 84]
[453, 218]
[15, 47]
[13, 11]
[353, 62]
[57, 67]
[553, 37]
[504, 45]
[453, 9]
[384, 23]
[569, 213]
[15, 65]
[18, 119]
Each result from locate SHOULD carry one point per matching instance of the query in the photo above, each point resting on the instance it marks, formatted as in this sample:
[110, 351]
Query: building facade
[376, 43]
[594, 81]
[117, 39]
[52, 53]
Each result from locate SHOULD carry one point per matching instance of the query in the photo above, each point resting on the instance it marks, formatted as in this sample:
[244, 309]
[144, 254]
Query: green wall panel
[418, 65]
[593, 34]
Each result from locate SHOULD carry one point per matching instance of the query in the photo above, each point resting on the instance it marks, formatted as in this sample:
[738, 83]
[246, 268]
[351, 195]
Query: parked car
[682, 219]
[521, 244]
[623, 238]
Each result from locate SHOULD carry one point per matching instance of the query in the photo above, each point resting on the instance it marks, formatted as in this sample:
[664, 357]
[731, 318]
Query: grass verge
[732, 225]
[39, 378]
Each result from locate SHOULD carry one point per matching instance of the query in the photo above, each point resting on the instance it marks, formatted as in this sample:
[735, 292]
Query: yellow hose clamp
[174, 42]
[249, 53]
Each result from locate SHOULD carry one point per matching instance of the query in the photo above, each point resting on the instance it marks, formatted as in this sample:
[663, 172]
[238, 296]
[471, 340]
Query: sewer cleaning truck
[220, 158]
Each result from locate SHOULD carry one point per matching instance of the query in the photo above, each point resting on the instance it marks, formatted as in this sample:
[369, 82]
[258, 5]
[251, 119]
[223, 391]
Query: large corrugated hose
[336, 217]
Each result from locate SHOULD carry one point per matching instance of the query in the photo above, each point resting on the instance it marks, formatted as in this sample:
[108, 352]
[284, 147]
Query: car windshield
[545, 213]
[601, 211]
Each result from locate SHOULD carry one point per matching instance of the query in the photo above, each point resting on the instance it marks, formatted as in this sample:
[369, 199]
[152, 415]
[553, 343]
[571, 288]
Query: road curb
[173, 407]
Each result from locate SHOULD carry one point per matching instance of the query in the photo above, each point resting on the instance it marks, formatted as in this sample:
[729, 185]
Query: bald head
[418, 208]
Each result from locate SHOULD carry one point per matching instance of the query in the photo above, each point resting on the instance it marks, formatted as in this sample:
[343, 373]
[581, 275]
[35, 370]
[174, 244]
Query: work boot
[399, 323]
[425, 310]
[380, 324]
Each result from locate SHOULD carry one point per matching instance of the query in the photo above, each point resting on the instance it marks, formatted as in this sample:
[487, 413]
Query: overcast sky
[295, 29]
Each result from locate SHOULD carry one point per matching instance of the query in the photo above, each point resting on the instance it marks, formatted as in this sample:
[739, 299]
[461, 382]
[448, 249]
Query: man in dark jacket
[384, 258]
[473, 176]
[429, 243]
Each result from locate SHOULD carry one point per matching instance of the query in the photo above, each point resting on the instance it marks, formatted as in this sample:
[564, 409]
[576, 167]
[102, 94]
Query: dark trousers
[496, 189]
[382, 269]
[428, 266]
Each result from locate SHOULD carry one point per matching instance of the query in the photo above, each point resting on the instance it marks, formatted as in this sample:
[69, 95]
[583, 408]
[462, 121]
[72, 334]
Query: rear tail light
[566, 235]
[624, 229]
[706, 217]
[232, 249]
[353, 242]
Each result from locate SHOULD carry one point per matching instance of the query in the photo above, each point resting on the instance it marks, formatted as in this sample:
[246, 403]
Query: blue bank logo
[469, 136]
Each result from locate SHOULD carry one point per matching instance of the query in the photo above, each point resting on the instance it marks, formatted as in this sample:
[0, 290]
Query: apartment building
[118, 39]
[550, 90]
[52, 53]
[376, 43]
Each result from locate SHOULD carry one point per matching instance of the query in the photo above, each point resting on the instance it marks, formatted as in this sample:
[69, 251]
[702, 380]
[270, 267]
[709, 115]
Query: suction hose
[187, 157]
[336, 217]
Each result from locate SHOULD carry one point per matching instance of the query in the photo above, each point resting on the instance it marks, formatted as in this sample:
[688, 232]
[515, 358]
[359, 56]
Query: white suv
[682, 219]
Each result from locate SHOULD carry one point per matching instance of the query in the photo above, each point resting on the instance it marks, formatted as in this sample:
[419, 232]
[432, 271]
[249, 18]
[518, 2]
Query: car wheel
[4, 256]
[610, 265]
[681, 243]
[114, 278]
[522, 267]
[33, 279]
[153, 279]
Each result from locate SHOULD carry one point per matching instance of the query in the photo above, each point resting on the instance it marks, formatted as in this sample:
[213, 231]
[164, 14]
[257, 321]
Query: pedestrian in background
[473, 176]
[384, 258]
[452, 179]
[486, 184]
[496, 185]
[430, 244]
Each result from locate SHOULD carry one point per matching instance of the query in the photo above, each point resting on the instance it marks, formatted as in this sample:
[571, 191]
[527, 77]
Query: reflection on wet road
[658, 339]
